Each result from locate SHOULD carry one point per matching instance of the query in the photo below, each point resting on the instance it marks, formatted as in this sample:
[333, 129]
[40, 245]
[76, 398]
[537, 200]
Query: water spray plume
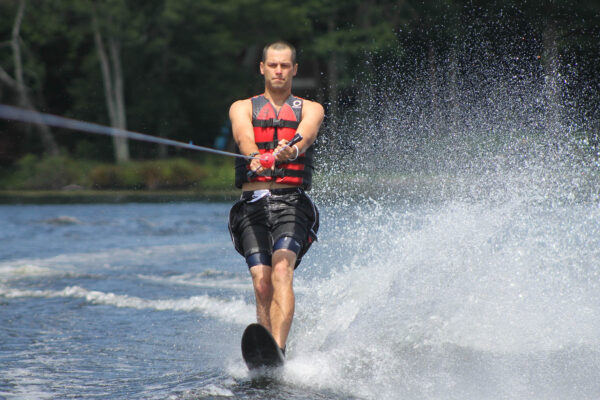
[460, 214]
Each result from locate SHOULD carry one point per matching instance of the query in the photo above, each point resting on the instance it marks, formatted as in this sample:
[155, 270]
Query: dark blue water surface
[453, 300]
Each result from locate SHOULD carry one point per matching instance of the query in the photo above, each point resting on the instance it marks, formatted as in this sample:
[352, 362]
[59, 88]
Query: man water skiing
[275, 222]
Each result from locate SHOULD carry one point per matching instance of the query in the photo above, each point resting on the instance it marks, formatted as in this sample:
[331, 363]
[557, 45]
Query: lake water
[442, 300]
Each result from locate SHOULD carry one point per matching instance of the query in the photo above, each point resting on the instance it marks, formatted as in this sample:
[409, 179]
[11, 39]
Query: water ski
[259, 349]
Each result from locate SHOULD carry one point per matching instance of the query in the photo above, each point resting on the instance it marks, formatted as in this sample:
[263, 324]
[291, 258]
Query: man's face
[278, 69]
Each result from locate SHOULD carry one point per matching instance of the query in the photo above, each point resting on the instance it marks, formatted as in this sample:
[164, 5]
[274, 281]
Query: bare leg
[282, 305]
[263, 291]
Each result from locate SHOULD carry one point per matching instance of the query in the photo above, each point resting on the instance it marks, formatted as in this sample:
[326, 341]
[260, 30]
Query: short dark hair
[279, 45]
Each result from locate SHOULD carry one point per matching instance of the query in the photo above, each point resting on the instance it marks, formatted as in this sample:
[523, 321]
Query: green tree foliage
[184, 61]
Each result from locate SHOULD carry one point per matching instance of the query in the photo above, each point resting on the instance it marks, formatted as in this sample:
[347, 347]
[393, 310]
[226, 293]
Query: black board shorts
[255, 224]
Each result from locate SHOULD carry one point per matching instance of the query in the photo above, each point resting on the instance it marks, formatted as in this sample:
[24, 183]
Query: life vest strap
[272, 122]
[267, 145]
[280, 173]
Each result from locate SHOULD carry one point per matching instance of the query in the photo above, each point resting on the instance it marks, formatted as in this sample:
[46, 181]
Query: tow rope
[34, 117]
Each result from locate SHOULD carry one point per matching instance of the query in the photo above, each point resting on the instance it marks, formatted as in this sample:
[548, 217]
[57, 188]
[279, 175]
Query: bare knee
[263, 289]
[283, 267]
[261, 280]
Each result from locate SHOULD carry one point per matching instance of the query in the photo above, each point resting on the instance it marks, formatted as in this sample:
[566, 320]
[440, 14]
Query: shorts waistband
[246, 195]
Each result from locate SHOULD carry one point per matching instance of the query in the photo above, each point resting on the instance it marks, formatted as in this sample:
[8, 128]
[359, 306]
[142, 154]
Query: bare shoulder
[312, 108]
[240, 107]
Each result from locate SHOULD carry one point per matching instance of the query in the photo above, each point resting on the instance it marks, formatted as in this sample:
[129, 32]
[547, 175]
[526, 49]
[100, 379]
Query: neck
[278, 98]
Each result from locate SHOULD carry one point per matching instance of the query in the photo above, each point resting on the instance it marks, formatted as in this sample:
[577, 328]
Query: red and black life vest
[270, 127]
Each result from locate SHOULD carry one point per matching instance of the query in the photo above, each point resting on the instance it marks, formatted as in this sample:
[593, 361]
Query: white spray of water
[417, 311]
[464, 250]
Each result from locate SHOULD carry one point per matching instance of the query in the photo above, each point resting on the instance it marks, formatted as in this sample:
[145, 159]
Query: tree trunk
[112, 78]
[122, 148]
[50, 146]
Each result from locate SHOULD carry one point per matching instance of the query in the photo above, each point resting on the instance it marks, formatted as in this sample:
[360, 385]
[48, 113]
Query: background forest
[171, 68]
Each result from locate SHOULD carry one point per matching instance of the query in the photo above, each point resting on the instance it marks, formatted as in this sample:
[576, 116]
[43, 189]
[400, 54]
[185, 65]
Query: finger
[281, 156]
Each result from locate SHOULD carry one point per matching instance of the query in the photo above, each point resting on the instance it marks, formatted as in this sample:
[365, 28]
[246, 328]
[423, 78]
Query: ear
[295, 69]
[262, 68]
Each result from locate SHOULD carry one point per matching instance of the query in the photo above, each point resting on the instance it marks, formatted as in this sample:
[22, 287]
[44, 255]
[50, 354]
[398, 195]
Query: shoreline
[14, 197]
